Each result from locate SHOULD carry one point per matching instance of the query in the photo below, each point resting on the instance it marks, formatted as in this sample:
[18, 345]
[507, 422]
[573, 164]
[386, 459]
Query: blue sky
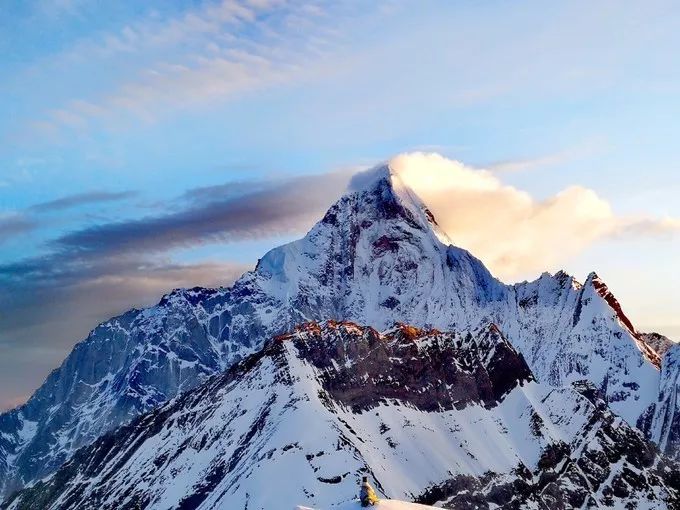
[145, 114]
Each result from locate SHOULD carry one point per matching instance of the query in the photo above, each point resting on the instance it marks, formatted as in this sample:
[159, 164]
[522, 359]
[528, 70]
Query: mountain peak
[402, 170]
[603, 291]
[397, 181]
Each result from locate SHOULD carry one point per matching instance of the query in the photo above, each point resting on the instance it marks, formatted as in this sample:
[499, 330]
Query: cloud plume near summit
[511, 231]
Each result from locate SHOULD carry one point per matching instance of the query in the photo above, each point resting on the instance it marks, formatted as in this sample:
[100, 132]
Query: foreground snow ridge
[383, 504]
[449, 419]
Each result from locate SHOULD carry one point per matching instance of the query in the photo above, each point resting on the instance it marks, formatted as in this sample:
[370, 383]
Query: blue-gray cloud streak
[14, 225]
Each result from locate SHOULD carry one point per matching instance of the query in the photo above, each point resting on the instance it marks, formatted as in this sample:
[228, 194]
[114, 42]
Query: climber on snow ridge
[367, 494]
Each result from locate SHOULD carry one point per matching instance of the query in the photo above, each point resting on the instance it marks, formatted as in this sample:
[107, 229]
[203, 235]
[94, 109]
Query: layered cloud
[511, 231]
[515, 234]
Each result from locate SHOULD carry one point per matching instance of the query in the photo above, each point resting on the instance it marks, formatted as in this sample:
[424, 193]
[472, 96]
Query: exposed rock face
[377, 257]
[286, 426]
[427, 369]
[658, 342]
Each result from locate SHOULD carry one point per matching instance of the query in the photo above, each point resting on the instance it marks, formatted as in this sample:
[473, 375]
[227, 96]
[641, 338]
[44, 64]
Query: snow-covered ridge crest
[648, 351]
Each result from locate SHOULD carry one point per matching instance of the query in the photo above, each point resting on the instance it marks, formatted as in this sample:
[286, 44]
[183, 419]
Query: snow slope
[439, 418]
[377, 257]
[383, 504]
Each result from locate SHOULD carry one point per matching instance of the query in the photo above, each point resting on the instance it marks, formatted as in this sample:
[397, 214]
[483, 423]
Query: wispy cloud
[645, 225]
[521, 165]
[91, 197]
[581, 150]
[210, 53]
[205, 53]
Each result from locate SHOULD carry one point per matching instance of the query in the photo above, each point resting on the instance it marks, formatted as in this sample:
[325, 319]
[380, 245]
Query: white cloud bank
[513, 233]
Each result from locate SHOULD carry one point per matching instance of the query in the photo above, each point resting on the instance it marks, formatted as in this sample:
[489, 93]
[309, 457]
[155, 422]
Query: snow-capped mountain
[377, 257]
[451, 419]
